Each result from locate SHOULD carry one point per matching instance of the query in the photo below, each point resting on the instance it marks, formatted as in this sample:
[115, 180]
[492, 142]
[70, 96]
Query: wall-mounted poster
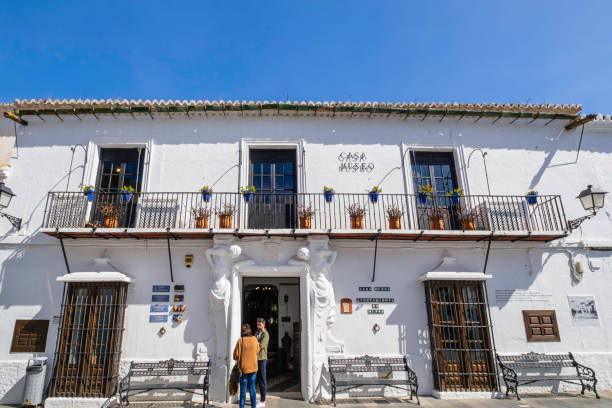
[583, 310]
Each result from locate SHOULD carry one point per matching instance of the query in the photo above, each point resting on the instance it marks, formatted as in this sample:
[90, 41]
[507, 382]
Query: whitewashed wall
[187, 153]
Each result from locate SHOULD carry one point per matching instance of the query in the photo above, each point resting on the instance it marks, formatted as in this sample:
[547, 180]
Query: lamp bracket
[16, 222]
[573, 224]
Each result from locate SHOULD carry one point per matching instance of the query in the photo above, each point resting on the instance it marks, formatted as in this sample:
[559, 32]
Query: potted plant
[424, 192]
[328, 192]
[394, 213]
[88, 191]
[225, 215]
[532, 197]
[126, 193]
[247, 193]
[356, 212]
[454, 195]
[436, 217]
[111, 215]
[206, 193]
[467, 218]
[305, 213]
[373, 193]
[201, 215]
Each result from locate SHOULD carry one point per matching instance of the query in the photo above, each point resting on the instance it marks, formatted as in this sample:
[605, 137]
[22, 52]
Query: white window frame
[458, 157]
[246, 145]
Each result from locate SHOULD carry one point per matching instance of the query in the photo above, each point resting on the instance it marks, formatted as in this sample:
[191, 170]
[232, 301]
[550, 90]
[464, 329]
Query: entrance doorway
[277, 300]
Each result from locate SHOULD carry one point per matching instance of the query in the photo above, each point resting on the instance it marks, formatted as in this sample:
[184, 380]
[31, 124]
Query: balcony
[179, 215]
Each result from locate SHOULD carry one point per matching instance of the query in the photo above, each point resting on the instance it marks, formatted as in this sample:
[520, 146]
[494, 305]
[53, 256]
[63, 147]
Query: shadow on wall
[33, 289]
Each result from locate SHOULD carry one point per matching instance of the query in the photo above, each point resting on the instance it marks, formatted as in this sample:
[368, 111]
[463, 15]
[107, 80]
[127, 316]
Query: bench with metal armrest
[514, 369]
[168, 369]
[348, 374]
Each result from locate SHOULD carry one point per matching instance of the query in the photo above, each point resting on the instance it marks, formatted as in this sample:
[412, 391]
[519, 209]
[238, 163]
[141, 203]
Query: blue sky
[456, 51]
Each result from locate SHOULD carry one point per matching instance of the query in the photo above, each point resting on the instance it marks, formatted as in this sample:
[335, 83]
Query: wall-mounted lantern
[6, 195]
[592, 199]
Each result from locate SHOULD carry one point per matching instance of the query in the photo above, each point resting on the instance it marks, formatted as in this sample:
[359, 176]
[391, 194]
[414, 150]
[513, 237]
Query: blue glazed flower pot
[329, 196]
[89, 194]
[422, 198]
[206, 195]
[532, 199]
[454, 198]
[373, 196]
[247, 196]
[126, 196]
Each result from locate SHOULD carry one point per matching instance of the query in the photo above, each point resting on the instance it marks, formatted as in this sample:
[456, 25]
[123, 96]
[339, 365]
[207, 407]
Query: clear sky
[457, 51]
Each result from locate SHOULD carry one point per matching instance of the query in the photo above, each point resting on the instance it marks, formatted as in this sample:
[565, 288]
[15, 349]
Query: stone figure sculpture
[221, 258]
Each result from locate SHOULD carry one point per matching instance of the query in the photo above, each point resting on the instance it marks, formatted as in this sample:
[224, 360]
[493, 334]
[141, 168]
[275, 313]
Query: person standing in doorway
[262, 360]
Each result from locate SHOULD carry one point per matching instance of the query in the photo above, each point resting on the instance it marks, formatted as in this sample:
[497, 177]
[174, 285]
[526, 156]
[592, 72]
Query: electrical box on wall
[188, 261]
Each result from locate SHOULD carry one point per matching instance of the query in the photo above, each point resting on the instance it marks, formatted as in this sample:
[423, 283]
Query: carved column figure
[221, 258]
[318, 259]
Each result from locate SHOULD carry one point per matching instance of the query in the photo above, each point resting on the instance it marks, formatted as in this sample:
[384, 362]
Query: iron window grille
[89, 340]
[460, 336]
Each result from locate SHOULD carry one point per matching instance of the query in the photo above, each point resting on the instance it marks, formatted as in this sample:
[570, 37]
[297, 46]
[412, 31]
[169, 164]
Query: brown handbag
[236, 372]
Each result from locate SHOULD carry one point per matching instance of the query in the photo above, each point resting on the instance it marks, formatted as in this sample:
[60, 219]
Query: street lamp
[6, 195]
[592, 199]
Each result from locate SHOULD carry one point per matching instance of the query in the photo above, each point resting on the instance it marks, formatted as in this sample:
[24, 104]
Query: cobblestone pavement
[544, 400]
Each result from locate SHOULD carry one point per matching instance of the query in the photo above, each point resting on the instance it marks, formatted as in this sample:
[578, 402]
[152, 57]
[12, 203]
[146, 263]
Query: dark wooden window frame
[527, 314]
[27, 330]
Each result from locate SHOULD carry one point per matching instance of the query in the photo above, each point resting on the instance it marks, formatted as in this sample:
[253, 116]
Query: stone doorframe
[312, 265]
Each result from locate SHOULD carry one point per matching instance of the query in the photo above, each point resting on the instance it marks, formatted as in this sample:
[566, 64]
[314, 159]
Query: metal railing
[279, 211]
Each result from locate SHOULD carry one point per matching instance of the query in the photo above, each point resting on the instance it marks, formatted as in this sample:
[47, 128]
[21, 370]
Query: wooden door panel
[88, 347]
[461, 336]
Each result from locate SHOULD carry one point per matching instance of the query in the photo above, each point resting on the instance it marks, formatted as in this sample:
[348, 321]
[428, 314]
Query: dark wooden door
[87, 357]
[118, 168]
[460, 336]
[437, 170]
[273, 174]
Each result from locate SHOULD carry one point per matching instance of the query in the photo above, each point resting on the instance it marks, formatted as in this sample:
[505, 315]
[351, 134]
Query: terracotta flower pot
[395, 223]
[202, 222]
[111, 221]
[357, 222]
[305, 222]
[225, 221]
[468, 224]
[436, 223]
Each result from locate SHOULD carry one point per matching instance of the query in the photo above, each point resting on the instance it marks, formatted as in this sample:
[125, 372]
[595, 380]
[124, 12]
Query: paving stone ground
[544, 400]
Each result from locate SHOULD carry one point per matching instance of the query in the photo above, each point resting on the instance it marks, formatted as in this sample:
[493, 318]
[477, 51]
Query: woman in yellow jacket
[246, 351]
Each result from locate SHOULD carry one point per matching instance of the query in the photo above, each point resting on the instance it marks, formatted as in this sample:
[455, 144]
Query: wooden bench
[347, 373]
[168, 368]
[515, 371]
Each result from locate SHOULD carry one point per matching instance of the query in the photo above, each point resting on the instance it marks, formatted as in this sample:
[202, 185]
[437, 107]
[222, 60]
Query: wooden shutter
[30, 336]
[541, 325]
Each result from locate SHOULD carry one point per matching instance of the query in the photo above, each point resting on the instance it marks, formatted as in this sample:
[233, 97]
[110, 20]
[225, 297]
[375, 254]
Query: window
[435, 169]
[89, 340]
[460, 336]
[30, 336]
[118, 168]
[273, 174]
[541, 325]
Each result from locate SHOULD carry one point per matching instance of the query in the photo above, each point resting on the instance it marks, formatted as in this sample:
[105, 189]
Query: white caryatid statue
[221, 258]
[318, 259]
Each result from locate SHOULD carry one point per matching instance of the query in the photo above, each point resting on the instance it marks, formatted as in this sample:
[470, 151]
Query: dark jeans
[262, 380]
[250, 380]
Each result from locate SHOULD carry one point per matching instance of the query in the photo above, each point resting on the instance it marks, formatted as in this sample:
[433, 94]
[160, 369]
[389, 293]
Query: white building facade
[93, 283]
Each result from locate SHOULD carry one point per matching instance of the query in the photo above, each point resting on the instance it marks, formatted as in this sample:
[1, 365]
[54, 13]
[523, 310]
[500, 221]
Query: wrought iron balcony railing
[194, 210]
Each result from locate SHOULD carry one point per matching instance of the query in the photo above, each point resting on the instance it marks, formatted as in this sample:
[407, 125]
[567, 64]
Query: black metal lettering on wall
[354, 162]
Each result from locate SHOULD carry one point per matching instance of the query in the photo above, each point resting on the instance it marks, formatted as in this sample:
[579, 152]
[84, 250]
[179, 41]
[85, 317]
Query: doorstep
[467, 394]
